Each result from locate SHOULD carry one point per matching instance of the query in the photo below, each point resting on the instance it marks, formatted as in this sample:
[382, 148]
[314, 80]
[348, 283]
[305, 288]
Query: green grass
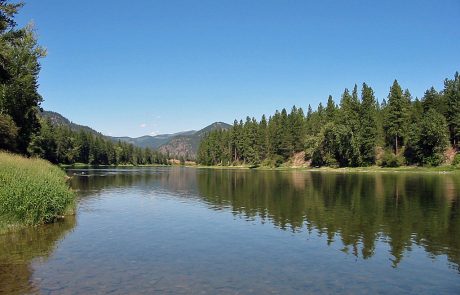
[32, 192]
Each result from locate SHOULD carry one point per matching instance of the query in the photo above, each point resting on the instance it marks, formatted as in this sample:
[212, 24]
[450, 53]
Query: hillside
[180, 144]
[152, 141]
[186, 145]
[58, 119]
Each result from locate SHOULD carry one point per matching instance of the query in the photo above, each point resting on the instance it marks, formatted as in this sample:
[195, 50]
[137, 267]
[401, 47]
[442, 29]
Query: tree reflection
[400, 209]
[357, 209]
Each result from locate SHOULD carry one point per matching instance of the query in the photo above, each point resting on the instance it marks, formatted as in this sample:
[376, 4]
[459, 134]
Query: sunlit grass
[32, 191]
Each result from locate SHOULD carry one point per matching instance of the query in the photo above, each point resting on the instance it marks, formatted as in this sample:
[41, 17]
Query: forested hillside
[61, 144]
[359, 131]
[185, 146]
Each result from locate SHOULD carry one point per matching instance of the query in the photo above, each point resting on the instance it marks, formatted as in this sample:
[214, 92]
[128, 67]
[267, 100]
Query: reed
[32, 192]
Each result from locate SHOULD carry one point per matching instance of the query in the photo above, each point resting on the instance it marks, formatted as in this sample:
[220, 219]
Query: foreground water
[203, 231]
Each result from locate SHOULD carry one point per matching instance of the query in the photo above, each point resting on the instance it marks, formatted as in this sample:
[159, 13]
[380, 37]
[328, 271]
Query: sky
[132, 68]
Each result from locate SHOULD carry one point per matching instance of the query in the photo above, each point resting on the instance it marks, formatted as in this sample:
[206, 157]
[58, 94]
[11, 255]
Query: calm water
[199, 231]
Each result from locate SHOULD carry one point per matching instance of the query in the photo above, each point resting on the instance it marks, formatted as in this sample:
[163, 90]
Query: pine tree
[285, 148]
[262, 139]
[428, 139]
[297, 129]
[397, 117]
[430, 100]
[452, 98]
[349, 119]
[368, 125]
[331, 109]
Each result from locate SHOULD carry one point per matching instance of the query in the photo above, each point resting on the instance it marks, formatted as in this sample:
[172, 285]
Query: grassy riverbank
[32, 192]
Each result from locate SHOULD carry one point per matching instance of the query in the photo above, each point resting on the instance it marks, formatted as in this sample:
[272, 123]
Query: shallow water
[206, 231]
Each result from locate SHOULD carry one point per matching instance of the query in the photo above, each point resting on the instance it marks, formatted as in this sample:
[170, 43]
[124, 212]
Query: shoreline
[370, 169]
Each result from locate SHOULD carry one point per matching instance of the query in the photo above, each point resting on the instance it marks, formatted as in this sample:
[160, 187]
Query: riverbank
[89, 166]
[412, 169]
[32, 192]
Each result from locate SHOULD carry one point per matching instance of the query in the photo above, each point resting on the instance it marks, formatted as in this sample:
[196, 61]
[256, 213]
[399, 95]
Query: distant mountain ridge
[58, 119]
[181, 144]
[186, 145]
[151, 141]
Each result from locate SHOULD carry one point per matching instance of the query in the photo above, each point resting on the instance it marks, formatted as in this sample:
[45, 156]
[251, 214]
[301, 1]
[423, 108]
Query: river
[175, 230]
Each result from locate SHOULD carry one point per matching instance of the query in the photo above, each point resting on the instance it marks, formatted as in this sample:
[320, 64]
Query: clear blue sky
[140, 67]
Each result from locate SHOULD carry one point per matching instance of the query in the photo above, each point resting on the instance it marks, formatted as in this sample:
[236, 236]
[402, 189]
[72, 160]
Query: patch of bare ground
[449, 155]
[298, 161]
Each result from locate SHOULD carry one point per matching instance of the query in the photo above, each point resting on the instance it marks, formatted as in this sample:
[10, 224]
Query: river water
[172, 230]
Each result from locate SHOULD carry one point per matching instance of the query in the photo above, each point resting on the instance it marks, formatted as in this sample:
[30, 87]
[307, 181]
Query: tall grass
[32, 191]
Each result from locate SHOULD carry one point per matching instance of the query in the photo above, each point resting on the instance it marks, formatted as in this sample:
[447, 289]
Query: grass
[32, 192]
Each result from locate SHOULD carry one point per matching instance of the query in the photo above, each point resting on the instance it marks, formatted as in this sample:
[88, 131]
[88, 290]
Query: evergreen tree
[368, 125]
[397, 117]
[19, 68]
[428, 139]
[331, 109]
[452, 98]
[262, 140]
[297, 129]
[431, 100]
[285, 148]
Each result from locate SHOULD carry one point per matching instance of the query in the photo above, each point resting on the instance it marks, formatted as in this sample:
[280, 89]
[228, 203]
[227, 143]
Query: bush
[32, 191]
[8, 132]
[456, 161]
[389, 159]
[434, 160]
[273, 162]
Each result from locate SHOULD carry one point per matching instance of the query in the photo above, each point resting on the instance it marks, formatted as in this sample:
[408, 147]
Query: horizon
[153, 74]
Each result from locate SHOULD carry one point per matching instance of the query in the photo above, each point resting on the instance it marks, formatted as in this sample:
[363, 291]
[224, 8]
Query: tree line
[60, 144]
[23, 131]
[359, 131]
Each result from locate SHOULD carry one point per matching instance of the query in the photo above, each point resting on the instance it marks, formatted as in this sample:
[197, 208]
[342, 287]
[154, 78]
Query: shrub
[456, 161]
[389, 159]
[273, 162]
[32, 191]
[8, 132]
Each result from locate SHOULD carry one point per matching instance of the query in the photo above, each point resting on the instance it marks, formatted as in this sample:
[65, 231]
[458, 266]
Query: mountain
[181, 144]
[58, 119]
[152, 141]
[186, 145]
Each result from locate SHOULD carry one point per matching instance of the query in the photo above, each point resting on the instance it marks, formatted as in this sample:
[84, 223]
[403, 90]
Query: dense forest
[23, 131]
[359, 131]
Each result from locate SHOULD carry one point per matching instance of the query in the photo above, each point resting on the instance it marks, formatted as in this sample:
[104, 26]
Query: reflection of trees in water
[19, 249]
[359, 208]
[400, 209]
[177, 180]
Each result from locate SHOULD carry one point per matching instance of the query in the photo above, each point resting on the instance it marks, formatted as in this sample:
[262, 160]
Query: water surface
[206, 231]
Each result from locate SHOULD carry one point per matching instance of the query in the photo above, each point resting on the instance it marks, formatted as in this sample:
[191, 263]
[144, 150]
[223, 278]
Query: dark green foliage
[59, 144]
[348, 135]
[389, 159]
[456, 161]
[452, 98]
[19, 68]
[7, 23]
[368, 125]
[331, 109]
[428, 139]
[8, 133]
[396, 119]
